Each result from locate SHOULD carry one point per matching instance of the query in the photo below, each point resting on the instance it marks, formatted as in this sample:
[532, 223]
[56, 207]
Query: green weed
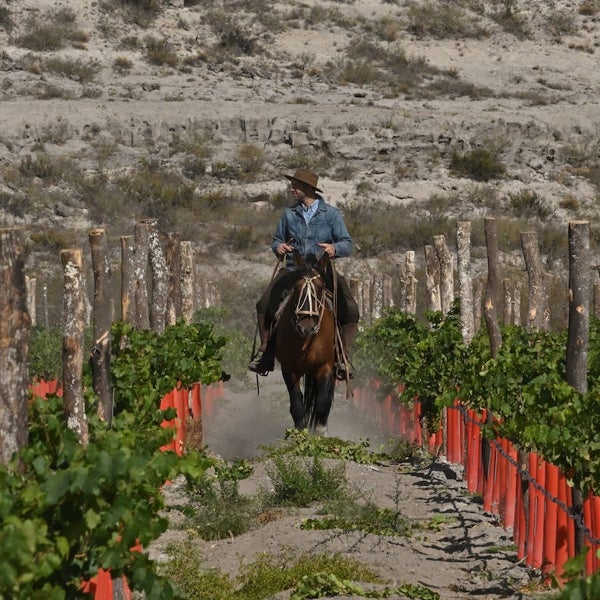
[300, 482]
[263, 578]
[217, 510]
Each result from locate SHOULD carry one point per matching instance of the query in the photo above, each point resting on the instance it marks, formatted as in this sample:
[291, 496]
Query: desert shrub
[387, 66]
[251, 159]
[319, 14]
[344, 171]
[121, 64]
[528, 204]
[193, 141]
[232, 36]
[160, 52]
[506, 14]
[223, 170]
[455, 88]
[387, 28]
[442, 21]
[42, 37]
[83, 71]
[15, 204]
[6, 21]
[193, 167]
[480, 164]
[51, 30]
[242, 238]
[157, 189]
[53, 239]
[359, 73]
[56, 132]
[378, 228]
[581, 152]
[589, 8]
[561, 22]
[139, 12]
[213, 204]
[570, 203]
[130, 42]
[316, 160]
[49, 168]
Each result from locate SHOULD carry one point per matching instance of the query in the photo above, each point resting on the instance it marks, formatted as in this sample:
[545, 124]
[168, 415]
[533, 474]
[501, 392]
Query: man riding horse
[311, 226]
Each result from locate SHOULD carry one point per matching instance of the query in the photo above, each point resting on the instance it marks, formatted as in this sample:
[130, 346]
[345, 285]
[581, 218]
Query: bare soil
[469, 555]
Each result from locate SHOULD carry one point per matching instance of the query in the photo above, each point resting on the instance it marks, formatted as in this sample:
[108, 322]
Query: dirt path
[467, 556]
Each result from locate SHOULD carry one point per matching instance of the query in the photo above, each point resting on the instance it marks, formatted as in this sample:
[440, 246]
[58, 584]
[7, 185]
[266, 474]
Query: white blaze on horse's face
[310, 305]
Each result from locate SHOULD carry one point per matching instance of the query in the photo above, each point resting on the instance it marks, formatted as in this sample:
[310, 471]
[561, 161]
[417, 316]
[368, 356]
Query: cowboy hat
[307, 177]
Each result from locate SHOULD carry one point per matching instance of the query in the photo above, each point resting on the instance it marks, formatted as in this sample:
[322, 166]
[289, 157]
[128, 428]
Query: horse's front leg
[325, 383]
[297, 409]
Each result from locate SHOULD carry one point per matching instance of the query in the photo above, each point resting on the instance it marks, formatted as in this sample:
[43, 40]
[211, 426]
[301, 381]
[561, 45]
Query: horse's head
[309, 294]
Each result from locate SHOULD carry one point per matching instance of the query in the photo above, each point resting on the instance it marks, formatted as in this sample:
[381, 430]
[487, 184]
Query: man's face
[301, 190]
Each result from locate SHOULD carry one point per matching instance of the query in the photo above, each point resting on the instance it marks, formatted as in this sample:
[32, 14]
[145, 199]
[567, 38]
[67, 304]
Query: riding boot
[264, 361]
[348, 335]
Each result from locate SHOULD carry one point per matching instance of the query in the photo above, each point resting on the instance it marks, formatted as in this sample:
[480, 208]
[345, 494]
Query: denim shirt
[326, 226]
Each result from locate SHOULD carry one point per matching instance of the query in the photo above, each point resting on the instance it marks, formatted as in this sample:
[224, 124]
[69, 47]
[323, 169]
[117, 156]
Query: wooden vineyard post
[103, 318]
[30, 283]
[477, 304]
[366, 297]
[446, 273]
[408, 283]
[596, 295]
[73, 317]
[377, 299]
[465, 285]
[537, 294]
[507, 292]
[578, 334]
[387, 289]
[160, 279]
[140, 284]
[14, 344]
[432, 279]
[173, 257]
[127, 280]
[516, 309]
[490, 312]
[187, 281]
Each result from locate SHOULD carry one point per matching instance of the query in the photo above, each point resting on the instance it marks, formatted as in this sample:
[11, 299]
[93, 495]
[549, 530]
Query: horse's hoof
[321, 430]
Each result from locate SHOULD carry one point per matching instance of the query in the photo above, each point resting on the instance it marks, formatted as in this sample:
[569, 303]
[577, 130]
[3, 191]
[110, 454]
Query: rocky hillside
[415, 114]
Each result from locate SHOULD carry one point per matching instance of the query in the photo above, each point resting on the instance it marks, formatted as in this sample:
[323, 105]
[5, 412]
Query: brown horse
[305, 349]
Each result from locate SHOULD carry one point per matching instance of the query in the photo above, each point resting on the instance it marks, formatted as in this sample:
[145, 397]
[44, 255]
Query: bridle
[310, 304]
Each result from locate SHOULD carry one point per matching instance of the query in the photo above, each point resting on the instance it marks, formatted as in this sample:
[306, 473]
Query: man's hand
[329, 248]
[284, 249]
